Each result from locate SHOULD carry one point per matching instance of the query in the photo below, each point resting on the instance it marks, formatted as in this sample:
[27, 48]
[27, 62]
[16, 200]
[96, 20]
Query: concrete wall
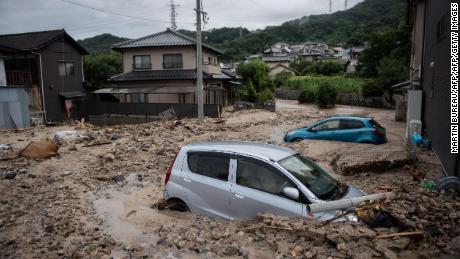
[278, 70]
[14, 110]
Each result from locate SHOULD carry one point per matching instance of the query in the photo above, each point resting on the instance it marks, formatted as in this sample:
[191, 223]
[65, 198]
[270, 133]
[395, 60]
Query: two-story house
[49, 66]
[161, 68]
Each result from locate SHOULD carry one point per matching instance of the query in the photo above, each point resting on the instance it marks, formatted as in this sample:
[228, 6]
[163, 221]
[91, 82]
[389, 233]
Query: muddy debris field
[95, 198]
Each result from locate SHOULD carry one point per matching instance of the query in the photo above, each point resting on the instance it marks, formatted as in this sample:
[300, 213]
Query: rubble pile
[47, 206]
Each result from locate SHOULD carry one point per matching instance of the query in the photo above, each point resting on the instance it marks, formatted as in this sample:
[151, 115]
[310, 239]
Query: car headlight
[290, 133]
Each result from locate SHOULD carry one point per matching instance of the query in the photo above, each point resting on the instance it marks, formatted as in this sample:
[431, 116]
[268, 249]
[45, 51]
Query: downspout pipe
[41, 84]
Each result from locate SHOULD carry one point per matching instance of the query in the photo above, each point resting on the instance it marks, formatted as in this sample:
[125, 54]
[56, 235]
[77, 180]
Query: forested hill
[350, 27]
[100, 43]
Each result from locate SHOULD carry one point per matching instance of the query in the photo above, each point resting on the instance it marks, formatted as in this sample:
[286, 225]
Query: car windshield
[316, 179]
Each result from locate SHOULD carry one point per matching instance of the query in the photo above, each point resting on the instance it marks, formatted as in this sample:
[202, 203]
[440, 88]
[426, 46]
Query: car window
[261, 176]
[209, 164]
[328, 125]
[376, 125]
[351, 124]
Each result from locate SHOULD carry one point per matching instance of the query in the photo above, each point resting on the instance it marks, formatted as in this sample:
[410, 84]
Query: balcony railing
[18, 78]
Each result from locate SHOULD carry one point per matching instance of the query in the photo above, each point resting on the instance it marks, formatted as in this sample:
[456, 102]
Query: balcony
[18, 77]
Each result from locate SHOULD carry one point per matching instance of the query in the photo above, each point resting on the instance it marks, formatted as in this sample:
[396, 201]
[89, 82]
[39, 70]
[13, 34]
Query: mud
[95, 197]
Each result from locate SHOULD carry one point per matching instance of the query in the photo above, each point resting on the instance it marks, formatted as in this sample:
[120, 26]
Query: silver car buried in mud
[237, 180]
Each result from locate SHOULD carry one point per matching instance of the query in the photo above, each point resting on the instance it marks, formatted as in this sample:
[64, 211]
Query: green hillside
[100, 43]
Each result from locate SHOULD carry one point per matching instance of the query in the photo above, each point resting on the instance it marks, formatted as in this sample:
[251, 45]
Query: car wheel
[297, 140]
[174, 204]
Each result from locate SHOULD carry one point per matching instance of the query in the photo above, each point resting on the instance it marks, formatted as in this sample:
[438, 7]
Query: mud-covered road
[95, 198]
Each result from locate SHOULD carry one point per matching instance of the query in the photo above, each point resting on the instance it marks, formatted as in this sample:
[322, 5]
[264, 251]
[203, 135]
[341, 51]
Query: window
[209, 164]
[376, 125]
[328, 125]
[209, 60]
[172, 61]
[66, 69]
[260, 176]
[351, 124]
[142, 62]
[442, 28]
[314, 177]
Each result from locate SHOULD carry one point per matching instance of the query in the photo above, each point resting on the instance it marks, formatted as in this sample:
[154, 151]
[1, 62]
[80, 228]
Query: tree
[329, 68]
[280, 79]
[256, 72]
[391, 43]
[99, 67]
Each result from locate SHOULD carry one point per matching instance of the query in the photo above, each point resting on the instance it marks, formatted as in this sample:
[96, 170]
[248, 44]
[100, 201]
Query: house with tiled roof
[161, 68]
[48, 66]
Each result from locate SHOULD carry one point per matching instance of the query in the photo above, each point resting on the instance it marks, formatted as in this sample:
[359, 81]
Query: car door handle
[239, 196]
[187, 180]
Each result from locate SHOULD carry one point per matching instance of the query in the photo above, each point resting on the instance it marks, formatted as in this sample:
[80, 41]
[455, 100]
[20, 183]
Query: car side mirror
[311, 130]
[291, 192]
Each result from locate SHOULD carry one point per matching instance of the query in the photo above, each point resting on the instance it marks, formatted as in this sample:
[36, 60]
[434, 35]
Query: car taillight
[168, 173]
[378, 133]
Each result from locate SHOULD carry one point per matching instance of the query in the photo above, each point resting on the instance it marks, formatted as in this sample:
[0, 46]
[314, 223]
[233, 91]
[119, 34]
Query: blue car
[342, 128]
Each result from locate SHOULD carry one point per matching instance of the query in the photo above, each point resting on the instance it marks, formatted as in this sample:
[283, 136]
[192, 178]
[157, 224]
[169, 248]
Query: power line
[115, 13]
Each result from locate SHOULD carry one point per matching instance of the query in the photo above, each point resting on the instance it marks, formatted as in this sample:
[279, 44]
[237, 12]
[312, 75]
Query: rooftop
[36, 40]
[264, 151]
[180, 74]
[166, 38]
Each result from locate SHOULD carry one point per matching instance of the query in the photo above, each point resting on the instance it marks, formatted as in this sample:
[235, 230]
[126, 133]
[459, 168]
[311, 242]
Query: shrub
[372, 87]
[307, 96]
[281, 79]
[342, 84]
[250, 94]
[264, 96]
[325, 95]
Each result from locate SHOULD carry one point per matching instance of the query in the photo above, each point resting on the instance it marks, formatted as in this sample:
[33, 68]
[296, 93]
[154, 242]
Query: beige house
[161, 68]
[278, 64]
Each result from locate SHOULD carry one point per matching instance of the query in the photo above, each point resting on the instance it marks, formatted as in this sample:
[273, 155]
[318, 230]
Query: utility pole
[346, 4]
[330, 6]
[199, 63]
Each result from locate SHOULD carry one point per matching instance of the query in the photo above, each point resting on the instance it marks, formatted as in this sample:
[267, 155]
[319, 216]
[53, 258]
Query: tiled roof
[276, 58]
[36, 40]
[162, 39]
[182, 74]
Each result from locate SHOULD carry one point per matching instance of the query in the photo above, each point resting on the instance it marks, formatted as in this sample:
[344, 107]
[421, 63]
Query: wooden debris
[402, 234]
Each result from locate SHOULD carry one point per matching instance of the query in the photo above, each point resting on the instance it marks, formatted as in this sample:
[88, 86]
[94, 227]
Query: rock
[297, 251]
[342, 247]
[455, 243]
[103, 178]
[109, 157]
[10, 175]
[230, 250]
[50, 180]
[44, 149]
[49, 229]
[118, 178]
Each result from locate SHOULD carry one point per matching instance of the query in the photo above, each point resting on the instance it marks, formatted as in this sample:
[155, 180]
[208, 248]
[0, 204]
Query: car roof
[260, 150]
[351, 117]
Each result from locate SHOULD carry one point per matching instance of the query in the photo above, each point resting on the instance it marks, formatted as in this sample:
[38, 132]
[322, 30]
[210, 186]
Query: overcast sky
[152, 15]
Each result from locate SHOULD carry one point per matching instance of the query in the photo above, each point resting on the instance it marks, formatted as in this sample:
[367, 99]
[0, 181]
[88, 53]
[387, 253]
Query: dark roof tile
[35, 40]
[162, 39]
[148, 75]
